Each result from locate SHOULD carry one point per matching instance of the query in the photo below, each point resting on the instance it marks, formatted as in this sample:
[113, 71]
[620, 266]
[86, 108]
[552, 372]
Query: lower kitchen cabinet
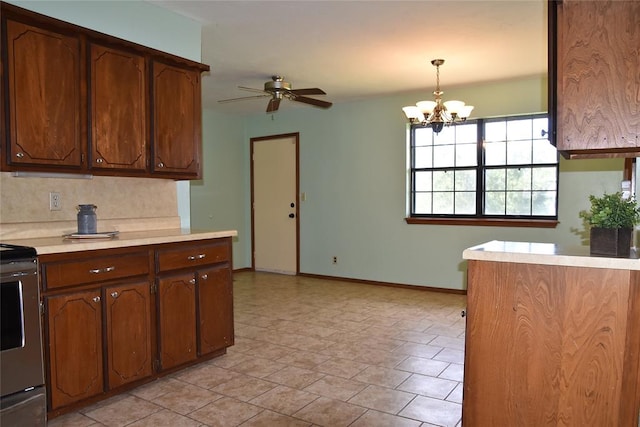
[74, 347]
[215, 308]
[129, 336]
[115, 318]
[177, 319]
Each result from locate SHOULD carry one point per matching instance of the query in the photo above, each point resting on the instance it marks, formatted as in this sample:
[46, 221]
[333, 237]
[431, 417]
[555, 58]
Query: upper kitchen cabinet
[79, 101]
[42, 126]
[118, 108]
[177, 121]
[595, 77]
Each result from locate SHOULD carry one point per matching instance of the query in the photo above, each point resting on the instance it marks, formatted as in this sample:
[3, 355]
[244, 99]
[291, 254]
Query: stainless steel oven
[22, 391]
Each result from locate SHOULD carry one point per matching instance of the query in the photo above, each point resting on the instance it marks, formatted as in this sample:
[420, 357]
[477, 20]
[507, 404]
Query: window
[501, 168]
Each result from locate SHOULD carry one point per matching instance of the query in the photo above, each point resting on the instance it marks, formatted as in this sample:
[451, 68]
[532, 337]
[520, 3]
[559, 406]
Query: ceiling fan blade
[308, 91]
[311, 101]
[250, 89]
[274, 104]
[222, 101]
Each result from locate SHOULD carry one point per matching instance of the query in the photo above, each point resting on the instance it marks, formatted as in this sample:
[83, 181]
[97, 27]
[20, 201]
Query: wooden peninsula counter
[552, 337]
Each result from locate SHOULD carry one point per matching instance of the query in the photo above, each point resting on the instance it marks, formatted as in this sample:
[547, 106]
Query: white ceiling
[358, 49]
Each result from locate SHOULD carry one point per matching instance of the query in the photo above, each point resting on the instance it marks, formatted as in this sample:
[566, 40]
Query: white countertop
[52, 245]
[547, 254]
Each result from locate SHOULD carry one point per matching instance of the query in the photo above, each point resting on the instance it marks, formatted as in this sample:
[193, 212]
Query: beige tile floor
[313, 352]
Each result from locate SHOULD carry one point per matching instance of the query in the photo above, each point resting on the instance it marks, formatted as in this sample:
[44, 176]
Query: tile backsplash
[25, 200]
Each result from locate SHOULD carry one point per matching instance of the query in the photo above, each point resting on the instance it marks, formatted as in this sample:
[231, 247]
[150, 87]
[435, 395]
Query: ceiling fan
[278, 89]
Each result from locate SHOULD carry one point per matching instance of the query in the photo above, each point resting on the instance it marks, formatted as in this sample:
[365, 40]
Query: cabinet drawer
[186, 256]
[70, 273]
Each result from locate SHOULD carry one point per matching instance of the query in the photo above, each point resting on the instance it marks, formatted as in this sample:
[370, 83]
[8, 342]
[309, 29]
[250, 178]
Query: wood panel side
[595, 325]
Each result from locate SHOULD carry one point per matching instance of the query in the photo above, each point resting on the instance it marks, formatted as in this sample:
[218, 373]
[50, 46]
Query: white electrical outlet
[55, 201]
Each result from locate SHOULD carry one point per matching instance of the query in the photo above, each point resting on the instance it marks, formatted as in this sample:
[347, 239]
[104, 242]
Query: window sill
[487, 222]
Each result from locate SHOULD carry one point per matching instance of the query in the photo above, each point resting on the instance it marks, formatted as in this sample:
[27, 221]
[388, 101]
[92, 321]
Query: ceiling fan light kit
[278, 90]
[437, 114]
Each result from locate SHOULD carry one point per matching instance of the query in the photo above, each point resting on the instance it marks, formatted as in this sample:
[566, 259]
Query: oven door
[21, 365]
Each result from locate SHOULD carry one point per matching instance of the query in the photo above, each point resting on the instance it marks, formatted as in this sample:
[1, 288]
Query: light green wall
[353, 170]
[219, 201]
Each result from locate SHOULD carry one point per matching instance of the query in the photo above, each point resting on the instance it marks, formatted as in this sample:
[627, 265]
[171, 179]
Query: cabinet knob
[204, 276]
[20, 155]
[114, 294]
[192, 281]
[160, 165]
[463, 313]
[98, 160]
[96, 299]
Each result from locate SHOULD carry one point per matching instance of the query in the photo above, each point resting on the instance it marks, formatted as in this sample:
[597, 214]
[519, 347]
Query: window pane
[442, 181]
[423, 203]
[467, 133]
[443, 156]
[494, 203]
[495, 180]
[442, 203]
[495, 153]
[544, 152]
[423, 136]
[538, 125]
[495, 131]
[465, 203]
[544, 203]
[518, 203]
[446, 136]
[423, 156]
[465, 180]
[423, 181]
[519, 130]
[518, 152]
[544, 179]
[466, 155]
[519, 179]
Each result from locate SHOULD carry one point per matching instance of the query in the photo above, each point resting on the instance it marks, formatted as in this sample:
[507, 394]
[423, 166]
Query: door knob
[292, 215]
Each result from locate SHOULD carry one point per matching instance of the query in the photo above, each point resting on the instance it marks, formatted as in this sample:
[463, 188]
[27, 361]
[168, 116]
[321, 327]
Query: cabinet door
[118, 85]
[44, 92]
[598, 76]
[177, 319]
[128, 329]
[177, 121]
[74, 347]
[215, 308]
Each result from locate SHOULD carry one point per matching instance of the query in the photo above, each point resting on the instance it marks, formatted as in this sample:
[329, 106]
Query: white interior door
[275, 203]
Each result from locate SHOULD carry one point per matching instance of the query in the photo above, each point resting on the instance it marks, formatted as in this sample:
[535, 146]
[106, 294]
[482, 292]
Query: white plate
[106, 235]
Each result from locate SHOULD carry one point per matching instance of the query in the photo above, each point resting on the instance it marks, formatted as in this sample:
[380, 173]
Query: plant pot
[613, 242]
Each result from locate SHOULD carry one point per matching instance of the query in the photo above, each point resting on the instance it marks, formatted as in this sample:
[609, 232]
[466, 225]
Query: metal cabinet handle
[102, 270]
[160, 165]
[96, 299]
[99, 160]
[463, 313]
[195, 257]
[20, 155]
[204, 276]
[192, 281]
[114, 294]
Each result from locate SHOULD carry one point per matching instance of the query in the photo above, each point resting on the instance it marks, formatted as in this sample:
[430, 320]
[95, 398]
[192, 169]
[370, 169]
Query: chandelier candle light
[437, 114]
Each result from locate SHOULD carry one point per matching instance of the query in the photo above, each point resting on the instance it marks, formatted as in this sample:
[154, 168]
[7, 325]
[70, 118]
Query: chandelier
[437, 114]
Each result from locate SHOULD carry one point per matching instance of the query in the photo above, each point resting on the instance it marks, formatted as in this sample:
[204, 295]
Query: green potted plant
[611, 220]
